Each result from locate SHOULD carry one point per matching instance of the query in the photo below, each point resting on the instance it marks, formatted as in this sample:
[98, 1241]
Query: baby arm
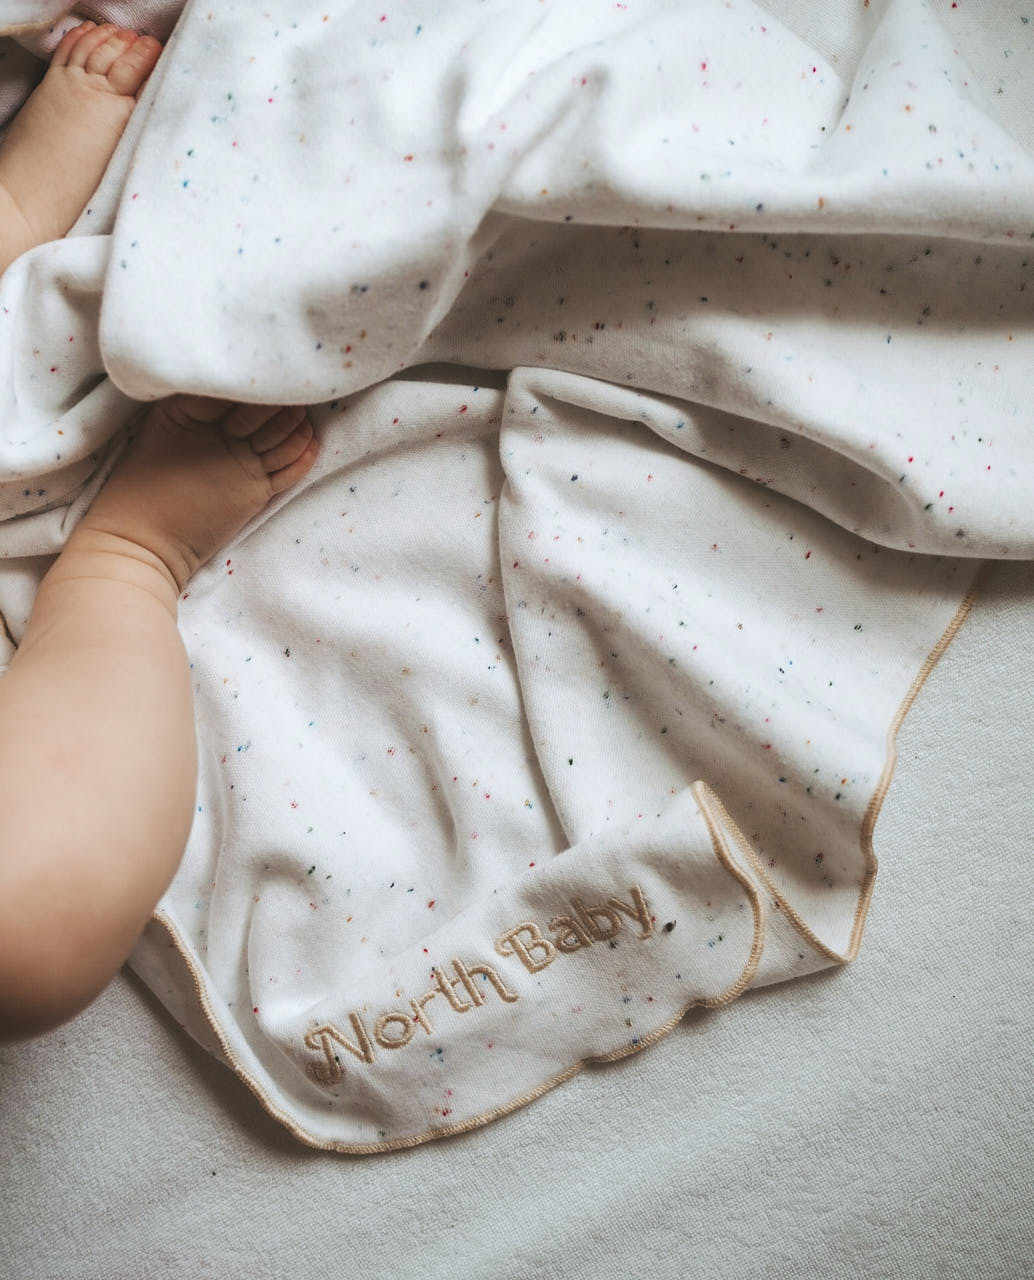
[97, 747]
[97, 769]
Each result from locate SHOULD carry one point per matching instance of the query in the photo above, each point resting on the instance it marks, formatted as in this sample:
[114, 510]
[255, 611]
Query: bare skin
[59, 144]
[97, 755]
[97, 750]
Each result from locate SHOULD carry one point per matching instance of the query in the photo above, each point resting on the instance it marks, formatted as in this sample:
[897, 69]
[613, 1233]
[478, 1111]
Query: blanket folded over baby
[671, 388]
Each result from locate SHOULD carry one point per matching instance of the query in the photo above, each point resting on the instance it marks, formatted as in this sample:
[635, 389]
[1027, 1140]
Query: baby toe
[297, 470]
[129, 71]
[278, 428]
[289, 450]
[85, 52]
[61, 55]
[244, 420]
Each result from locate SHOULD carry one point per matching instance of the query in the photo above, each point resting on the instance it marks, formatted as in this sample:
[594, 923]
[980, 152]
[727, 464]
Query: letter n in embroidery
[324, 1038]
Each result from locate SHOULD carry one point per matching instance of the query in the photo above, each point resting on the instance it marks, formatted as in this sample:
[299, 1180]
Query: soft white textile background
[873, 1123]
[726, 293]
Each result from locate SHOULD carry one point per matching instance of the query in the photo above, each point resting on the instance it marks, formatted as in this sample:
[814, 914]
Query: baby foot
[59, 144]
[196, 472]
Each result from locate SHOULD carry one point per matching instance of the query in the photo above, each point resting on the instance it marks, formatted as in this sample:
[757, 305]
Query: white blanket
[561, 697]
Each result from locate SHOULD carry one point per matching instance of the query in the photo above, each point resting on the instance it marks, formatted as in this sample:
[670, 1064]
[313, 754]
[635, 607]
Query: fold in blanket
[670, 391]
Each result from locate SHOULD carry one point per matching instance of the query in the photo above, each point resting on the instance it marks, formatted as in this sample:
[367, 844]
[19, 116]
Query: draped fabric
[672, 384]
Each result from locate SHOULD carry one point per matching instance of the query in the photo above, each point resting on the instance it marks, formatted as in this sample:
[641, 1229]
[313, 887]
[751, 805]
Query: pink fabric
[22, 52]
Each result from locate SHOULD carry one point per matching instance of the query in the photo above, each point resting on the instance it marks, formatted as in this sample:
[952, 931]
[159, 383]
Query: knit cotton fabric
[672, 387]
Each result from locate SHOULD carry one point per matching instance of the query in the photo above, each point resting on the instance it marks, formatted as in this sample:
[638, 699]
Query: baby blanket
[672, 383]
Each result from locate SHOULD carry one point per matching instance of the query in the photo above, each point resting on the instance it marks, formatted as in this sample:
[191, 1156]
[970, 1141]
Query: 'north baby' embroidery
[464, 986]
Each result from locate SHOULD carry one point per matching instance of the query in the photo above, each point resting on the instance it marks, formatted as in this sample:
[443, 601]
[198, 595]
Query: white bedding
[571, 670]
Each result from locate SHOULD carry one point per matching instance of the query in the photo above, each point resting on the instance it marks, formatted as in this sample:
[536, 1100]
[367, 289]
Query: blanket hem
[715, 816]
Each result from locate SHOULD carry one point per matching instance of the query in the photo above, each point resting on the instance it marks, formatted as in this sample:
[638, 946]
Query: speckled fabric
[672, 388]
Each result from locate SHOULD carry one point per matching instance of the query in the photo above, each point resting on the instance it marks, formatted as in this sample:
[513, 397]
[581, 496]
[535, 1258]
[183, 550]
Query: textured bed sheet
[873, 1121]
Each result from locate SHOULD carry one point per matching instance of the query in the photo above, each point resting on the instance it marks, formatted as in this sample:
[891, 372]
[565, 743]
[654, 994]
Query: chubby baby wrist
[95, 551]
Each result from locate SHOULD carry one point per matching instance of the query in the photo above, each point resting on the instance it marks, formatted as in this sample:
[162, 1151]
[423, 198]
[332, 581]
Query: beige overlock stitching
[872, 810]
[702, 793]
[406, 1141]
[409, 1140]
[875, 804]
